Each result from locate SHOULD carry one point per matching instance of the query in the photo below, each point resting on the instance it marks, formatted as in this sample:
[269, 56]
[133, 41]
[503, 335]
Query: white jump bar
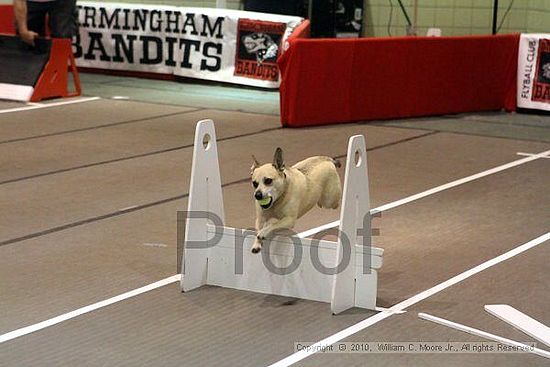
[483, 334]
[521, 321]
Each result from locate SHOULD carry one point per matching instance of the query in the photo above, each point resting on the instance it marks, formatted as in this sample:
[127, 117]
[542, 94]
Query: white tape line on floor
[83, 310]
[529, 154]
[52, 104]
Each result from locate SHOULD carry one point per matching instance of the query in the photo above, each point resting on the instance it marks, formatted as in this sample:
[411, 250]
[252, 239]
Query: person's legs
[36, 16]
[63, 19]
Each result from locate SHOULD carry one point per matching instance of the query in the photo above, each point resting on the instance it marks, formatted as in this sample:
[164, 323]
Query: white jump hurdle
[231, 264]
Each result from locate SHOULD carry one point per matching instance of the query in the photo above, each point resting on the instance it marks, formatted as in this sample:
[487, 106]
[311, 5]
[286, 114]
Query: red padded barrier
[53, 81]
[302, 31]
[327, 81]
[7, 19]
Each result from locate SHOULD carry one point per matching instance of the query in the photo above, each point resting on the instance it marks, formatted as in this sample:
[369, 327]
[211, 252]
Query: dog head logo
[269, 180]
[261, 44]
[258, 45]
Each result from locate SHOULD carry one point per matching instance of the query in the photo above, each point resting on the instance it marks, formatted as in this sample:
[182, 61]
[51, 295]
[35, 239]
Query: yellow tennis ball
[265, 201]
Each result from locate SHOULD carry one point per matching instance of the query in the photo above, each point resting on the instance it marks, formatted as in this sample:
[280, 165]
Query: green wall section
[538, 17]
[456, 17]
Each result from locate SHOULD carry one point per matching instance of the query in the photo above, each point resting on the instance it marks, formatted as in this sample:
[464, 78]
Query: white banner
[206, 43]
[534, 72]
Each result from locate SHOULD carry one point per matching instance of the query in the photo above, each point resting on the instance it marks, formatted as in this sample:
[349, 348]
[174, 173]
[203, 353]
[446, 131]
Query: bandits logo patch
[541, 85]
[258, 44]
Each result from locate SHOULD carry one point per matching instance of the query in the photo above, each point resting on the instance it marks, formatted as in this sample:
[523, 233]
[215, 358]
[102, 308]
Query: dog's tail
[336, 162]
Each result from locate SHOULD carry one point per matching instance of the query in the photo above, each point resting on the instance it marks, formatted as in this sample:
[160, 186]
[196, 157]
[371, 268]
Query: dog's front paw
[257, 246]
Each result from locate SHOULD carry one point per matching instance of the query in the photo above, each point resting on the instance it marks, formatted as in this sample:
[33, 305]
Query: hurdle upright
[342, 273]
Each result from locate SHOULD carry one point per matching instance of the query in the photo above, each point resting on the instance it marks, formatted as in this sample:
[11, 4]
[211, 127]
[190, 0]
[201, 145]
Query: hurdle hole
[206, 141]
[357, 158]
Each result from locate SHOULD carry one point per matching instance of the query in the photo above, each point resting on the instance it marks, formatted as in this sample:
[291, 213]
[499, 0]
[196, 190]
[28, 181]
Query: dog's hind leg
[332, 192]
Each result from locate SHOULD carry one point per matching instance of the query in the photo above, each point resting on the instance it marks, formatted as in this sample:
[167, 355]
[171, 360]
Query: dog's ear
[255, 164]
[278, 160]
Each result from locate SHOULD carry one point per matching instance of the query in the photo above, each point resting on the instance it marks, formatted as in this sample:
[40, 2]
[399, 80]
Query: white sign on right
[534, 72]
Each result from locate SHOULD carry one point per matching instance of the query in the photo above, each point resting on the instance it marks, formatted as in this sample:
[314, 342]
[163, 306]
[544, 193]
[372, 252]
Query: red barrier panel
[302, 31]
[327, 81]
[7, 19]
[54, 79]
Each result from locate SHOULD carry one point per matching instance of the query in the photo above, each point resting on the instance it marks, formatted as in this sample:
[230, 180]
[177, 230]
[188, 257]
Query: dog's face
[256, 42]
[268, 180]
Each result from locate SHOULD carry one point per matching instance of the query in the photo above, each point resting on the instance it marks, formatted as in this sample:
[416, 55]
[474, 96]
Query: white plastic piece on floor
[484, 334]
[521, 321]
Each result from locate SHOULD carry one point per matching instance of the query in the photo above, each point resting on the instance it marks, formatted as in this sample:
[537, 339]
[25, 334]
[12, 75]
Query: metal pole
[415, 18]
[409, 23]
[495, 16]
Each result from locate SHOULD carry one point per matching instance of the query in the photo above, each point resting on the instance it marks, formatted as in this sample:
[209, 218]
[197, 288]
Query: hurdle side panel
[369, 260]
[366, 277]
[366, 288]
[355, 207]
[205, 195]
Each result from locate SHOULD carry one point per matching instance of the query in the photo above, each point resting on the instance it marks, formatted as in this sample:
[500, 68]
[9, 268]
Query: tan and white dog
[285, 194]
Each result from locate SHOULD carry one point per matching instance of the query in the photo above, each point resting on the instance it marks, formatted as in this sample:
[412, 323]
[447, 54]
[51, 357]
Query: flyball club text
[172, 26]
